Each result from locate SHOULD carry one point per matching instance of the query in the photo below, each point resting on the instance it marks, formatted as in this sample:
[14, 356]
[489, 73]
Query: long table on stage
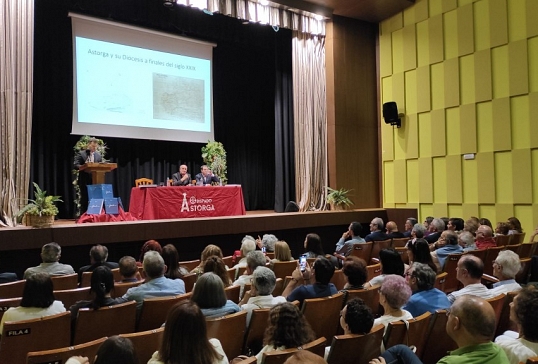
[172, 202]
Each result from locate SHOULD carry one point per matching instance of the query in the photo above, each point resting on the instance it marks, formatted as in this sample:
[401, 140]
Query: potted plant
[214, 156]
[338, 198]
[41, 211]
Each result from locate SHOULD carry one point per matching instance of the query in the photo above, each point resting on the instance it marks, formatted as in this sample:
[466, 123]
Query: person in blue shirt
[345, 244]
[425, 298]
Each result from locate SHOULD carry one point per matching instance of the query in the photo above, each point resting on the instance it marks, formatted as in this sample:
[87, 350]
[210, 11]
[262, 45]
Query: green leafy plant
[338, 198]
[214, 156]
[41, 205]
[81, 145]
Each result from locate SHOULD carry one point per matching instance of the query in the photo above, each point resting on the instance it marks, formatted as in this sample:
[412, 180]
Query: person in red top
[484, 237]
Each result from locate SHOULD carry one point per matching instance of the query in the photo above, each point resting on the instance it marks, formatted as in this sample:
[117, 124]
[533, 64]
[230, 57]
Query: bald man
[392, 231]
[484, 237]
[471, 324]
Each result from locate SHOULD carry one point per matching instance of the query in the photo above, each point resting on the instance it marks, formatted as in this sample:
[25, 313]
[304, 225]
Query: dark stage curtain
[252, 104]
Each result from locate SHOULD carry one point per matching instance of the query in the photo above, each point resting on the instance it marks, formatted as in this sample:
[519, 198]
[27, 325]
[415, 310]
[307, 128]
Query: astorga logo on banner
[193, 204]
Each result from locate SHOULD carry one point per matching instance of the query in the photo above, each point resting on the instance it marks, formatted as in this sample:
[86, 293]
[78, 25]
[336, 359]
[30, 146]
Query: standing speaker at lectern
[88, 155]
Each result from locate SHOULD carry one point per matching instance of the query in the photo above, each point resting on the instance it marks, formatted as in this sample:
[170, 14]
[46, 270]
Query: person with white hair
[267, 241]
[50, 255]
[436, 227]
[248, 244]
[377, 232]
[505, 267]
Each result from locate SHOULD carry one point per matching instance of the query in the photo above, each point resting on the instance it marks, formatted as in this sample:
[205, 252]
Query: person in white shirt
[469, 272]
[260, 294]
[524, 313]
[505, 268]
[255, 259]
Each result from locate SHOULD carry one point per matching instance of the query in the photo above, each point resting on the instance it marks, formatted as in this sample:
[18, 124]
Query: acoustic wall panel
[440, 209]
[467, 79]
[424, 135]
[388, 182]
[502, 135]
[440, 180]
[397, 51]
[452, 84]
[425, 180]
[521, 133]
[454, 188]
[438, 136]
[532, 24]
[421, 10]
[409, 48]
[518, 71]
[400, 181]
[437, 85]
[423, 89]
[449, 5]
[484, 126]
[436, 44]
[451, 35]
[525, 215]
[490, 212]
[413, 175]
[398, 90]
[411, 92]
[499, 67]
[436, 7]
[468, 127]
[517, 22]
[423, 43]
[411, 136]
[453, 142]
[503, 181]
[481, 25]
[385, 48]
[425, 210]
[469, 181]
[470, 209]
[486, 182]
[465, 30]
[455, 210]
[498, 22]
[521, 176]
[482, 70]
[504, 211]
[534, 176]
[532, 49]
[533, 112]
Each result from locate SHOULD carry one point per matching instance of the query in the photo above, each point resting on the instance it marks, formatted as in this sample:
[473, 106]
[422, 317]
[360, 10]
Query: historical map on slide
[178, 98]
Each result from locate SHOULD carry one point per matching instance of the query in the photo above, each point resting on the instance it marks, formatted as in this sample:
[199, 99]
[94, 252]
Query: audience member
[392, 231]
[37, 301]
[349, 237]
[391, 263]
[171, 259]
[98, 257]
[248, 244]
[287, 329]
[418, 231]
[8, 277]
[216, 265]
[436, 227]
[466, 241]
[471, 226]
[515, 226]
[208, 251]
[455, 224]
[376, 230]
[185, 338]
[485, 221]
[409, 223]
[206, 177]
[502, 228]
[316, 282]
[448, 243]
[445, 221]
[521, 345]
[150, 245]
[419, 252]
[260, 294]
[129, 270]
[469, 272]
[255, 259]
[355, 273]
[156, 284]
[116, 349]
[427, 221]
[393, 295]
[282, 253]
[312, 246]
[484, 237]
[505, 267]
[181, 178]
[210, 296]
[267, 241]
[425, 298]
[531, 240]
[471, 324]
[50, 255]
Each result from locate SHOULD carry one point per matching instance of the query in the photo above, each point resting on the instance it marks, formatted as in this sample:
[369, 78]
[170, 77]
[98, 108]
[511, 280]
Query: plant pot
[39, 221]
[335, 207]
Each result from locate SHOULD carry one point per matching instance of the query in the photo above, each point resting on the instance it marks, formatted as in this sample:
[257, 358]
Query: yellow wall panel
[468, 126]
[387, 144]
[413, 175]
[392, 24]
[453, 143]
[385, 55]
[498, 22]
[481, 25]
[534, 176]
[470, 188]
[438, 135]
[400, 181]
[440, 210]
[421, 10]
[522, 176]
[524, 215]
[502, 136]
[489, 212]
[424, 135]
[518, 72]
[485, 164]
[465, 30]
[517, 25]
[425, 182]
[482, 70]
[499, 68]
[439, 180]
[532, 50]
[470, 209]
[450, 22]
[436, 7]
[467, 81]
[454, 189]
[449, 5]
[398, 89]
[424, 211]
[423, 89]
[388, 182]
[397, 51]
[484, 126]
[400, 142]
[504, 211]
[410, 92]
[534, 219]
[532, 25]
[409, 48]
[436, 46]
[533, 122]
[438, 86]
[452, 84]
[411, 136]
[423, 43]
[521, 131]
[386, 84]
[455, 211]
[409, 16]
[503, 182]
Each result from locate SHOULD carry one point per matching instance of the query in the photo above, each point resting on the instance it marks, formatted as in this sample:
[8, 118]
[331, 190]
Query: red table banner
[173, 202]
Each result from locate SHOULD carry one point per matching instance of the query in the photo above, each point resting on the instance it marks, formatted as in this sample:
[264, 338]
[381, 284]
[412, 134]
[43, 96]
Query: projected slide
[131, 86]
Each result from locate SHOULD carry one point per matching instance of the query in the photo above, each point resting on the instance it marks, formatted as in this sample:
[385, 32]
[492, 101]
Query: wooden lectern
[98, 170]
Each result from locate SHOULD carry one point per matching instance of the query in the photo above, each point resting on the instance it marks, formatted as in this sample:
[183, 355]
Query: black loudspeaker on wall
[390, 114]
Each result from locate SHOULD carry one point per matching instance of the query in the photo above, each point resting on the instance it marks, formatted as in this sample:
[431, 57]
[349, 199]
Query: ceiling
[373, 11]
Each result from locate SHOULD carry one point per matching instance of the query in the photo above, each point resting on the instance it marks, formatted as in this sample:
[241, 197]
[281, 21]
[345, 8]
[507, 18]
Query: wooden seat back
[45, 333]
[230, 331]
[146, 343]
[7, 303]
[412, 333]
[12, 289]
[518, 238]
[525, 250]
[283, 269]
[279, 287]
[232, 293]
[154, 311]
[143, 181]
[255, 330]
[370, 297]
[362, 250]
[86, 279]
[522, 277]
[121, 288]
[228, 261]
[399, 242]
[68, 281]
[70, 296]
[533, 360]
[61, 355]
[344, 347]
[232, 273]
[323, 314]
[497, 303]
[451, 263]
[378, 246]
[189, 280]
[438, 343]
[190, 264]
[106, 321]
[492, 254]
[440, 280]
[402, 251]
[338, 279]
[374, 270]
[279, 356]
[504, 320]
[479, 253]
[503, 240]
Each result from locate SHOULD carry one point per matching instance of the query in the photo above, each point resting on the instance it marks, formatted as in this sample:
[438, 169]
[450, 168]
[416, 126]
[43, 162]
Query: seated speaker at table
[181, 178]
[206, 177]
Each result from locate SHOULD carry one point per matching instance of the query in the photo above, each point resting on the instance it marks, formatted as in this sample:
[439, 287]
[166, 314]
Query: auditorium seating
[121, 288]
[279, 287]
[283, 269]
[497, 303]
[438, 343]
[374, 270]
[522, 277]
[12, 289]
[400, 242]
[362, 250]
[378, 246]
[189, 280]
[518, 238]
[61, 355]
[70, 296]
[280, 356]
[345, 348]
[504, 320]
[68, 281]
[440, 280]
[338, 279]
[323, 314]
[232, 293]
[7, 303]
[412, 332]
[451, 263]
[503, 240]
[230, 331]
[479, 253]
[492, 254]
[146, 343]
[154, 311]
[370, 297]
[190, 264]
[255, 331]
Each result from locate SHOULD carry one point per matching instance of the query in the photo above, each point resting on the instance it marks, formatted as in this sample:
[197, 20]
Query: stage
[20, 246]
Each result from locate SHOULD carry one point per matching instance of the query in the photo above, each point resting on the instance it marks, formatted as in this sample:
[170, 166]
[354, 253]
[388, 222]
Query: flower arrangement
[338, 198]
[214, 156]
[42, 206]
